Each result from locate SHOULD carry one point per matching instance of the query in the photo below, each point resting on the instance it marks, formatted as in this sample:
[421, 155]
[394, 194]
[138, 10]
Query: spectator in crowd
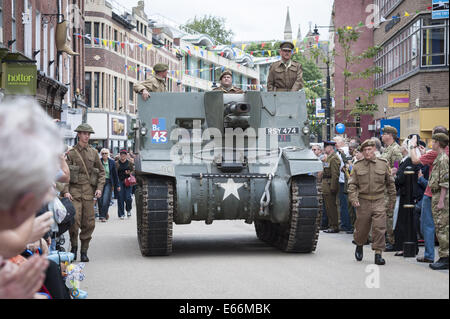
[317, 149]
[426, 217]
[27, 133]
[342, 151]
[124, 169]
[330, 186]
[111, 183]
[378, 145]
[403, 214]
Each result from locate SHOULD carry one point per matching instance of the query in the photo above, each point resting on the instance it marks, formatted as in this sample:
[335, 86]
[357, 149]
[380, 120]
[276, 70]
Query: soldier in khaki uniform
[368, 181]
[393, 154]
[226, 84]
[155, 83]
[87, 178]
[285, 75]
[330, 186]
[438, 183]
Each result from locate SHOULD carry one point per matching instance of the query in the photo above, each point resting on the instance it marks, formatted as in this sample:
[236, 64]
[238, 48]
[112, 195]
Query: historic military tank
[214, 156]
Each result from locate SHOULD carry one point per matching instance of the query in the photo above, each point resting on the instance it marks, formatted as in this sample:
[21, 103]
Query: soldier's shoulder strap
[383, 159]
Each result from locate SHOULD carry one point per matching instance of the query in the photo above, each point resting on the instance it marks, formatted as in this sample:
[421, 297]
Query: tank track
[155, 210]
[301, 234]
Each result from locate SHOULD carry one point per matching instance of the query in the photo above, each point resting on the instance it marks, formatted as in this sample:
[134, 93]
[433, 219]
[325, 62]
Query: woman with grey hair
[27, 173]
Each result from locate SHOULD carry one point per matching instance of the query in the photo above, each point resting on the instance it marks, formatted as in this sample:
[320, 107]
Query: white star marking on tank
[231, 188]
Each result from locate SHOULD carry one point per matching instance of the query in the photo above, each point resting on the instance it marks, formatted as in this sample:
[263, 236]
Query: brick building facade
[343, 16]
[30, 28]
[415, 63]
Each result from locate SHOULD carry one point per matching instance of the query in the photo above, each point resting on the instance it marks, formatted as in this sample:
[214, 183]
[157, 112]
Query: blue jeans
[124, 198]
[103, 202]
[427, 227]
[343, 201]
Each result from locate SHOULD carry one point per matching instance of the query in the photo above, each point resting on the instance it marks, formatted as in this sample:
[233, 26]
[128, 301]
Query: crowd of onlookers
[33, 217]
[417, 157]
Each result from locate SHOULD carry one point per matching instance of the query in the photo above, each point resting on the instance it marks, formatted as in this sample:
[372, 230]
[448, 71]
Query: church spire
[299, 34]
[288, 28]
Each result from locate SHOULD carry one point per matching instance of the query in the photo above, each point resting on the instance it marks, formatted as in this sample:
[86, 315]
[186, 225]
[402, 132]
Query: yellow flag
[196, 48]
[295, 43]
[270, 53]
[243, 47]
[349, 28]
[296, 50]
[149, 47]
[406, 14]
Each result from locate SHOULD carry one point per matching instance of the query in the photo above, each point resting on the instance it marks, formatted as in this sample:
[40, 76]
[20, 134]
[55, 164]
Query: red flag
[262, 45]
[221, 54]
[122, 45]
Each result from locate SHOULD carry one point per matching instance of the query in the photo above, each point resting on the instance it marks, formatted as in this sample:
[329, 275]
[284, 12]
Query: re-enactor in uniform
[438, 183]
[330, 185]
[87, 178]
[285, 75]
[226, 84]
[155, 83]
[368, 181]
[393, 155]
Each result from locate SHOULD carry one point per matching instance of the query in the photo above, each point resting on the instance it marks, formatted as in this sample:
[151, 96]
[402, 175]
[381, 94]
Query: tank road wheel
[155, 209]
[302, 232]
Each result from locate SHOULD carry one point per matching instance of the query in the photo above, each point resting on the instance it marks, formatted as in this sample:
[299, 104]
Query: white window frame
[445, 26]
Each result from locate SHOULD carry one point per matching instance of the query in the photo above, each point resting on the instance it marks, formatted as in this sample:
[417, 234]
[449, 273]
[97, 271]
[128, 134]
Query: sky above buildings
[250, 20]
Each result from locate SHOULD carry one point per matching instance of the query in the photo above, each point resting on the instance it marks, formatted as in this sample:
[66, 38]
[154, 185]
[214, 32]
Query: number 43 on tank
[159, 131]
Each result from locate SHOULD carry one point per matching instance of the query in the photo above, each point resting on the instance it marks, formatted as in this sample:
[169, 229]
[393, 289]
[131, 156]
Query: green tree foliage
[212, 26]
[347, 37]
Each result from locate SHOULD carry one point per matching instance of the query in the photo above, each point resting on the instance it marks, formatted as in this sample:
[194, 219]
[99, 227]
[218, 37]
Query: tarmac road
[226, 260]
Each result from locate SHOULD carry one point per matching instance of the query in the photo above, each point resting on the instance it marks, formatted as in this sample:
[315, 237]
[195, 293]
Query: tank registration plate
[159, 131]
[283, 131]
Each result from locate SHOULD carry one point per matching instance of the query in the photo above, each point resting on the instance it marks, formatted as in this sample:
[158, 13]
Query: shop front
[422, 121]
[110, 130]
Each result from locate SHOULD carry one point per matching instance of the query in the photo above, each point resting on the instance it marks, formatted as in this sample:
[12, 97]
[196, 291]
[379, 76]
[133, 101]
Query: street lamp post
[328, 96]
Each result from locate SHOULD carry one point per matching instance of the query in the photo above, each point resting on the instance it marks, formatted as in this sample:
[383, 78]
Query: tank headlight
[306, 130]
[144, 131]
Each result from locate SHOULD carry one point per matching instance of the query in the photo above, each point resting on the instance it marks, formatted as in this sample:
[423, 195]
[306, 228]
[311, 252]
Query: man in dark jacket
[111, 183]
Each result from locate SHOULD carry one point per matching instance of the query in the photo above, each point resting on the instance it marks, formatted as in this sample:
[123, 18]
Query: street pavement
[226, 260]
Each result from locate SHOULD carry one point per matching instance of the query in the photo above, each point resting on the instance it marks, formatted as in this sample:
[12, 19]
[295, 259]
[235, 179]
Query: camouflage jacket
[232, 90]
[439, 174]
[284, 78]
[152, 84]
[369, 179]
[392, 154]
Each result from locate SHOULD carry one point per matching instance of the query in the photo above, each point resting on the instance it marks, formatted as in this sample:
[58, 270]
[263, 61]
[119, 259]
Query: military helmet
[84, 127]
[287, 45]
[226, 72]
[390, 130]
[160, 67]
[440, 137]
[367, 143]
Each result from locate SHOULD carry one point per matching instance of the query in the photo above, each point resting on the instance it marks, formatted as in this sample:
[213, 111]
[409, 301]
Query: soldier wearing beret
[330, 185]
[87, 178]
[155, 83]
[368, 181]
[226, 84]
[393, 154]
[438, 183]
[285, 75]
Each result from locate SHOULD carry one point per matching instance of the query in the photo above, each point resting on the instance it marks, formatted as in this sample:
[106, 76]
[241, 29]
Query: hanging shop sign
[19, 78]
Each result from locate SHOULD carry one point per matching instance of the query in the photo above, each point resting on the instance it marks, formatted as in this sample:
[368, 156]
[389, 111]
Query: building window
[37, 39]
[96, 89]
[115, 40]
[1, 20]
[87, 88]
[115, 88]
[88, 30]
[97, 33]
[423, 43]
[387, 6]
[131, 92]
[434, 46]
[13, 25]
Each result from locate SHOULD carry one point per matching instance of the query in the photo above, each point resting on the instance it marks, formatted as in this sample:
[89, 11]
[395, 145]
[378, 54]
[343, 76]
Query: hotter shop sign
[19, 78]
